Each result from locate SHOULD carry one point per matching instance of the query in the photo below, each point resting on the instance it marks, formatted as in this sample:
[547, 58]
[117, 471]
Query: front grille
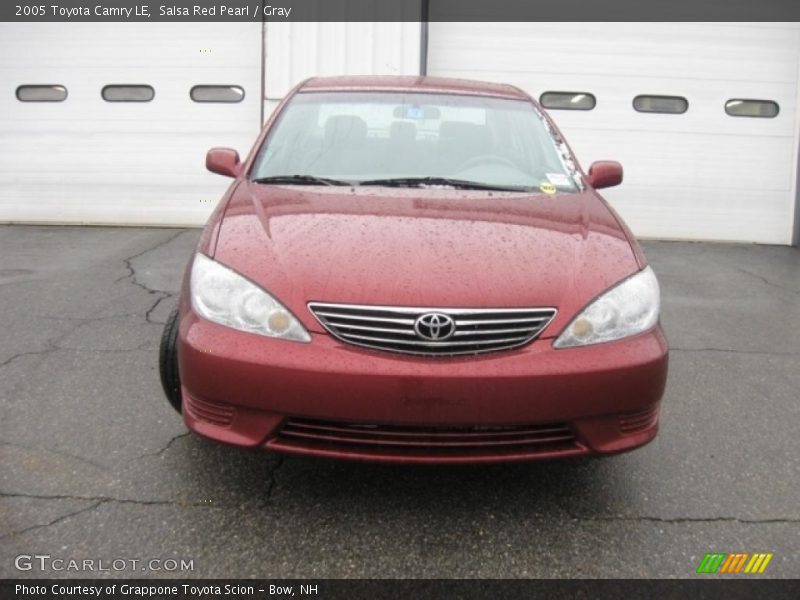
[397, 329]
[399, 440]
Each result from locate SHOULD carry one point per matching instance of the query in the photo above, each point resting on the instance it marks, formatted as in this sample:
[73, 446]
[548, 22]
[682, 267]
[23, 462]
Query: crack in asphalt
[131, 276]
[142, 346]
[273, 480]
[98, 501]
[132, 271]
[166, 447]
[102, 499]
[55, 521]
[155, 305]
[49, 350]
[52, 345]
[767, 281]
[56, 452]
[85, 319]
[681, 520]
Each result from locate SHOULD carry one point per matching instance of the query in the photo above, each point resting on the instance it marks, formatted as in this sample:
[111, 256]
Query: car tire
[168, 361]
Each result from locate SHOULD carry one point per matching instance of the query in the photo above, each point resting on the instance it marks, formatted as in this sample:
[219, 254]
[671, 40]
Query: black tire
[168, 361]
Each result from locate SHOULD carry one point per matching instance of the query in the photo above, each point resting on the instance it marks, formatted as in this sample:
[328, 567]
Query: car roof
[410, 83]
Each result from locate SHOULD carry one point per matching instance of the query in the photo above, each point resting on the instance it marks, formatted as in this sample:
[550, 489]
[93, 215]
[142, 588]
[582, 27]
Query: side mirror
[605, 173]
[224, 161]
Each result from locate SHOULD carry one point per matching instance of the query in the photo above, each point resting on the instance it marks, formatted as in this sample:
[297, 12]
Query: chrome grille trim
[502, 321]
[403, 439]
[357, 318]
[391, 328]
[493, 331]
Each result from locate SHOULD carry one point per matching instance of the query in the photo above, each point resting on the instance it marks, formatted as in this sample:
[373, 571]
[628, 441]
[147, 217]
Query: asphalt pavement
[95, 465]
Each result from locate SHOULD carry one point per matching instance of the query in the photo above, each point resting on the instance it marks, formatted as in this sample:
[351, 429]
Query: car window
[366, 136]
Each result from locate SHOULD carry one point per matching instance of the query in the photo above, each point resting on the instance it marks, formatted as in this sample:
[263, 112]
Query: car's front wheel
[168, 361]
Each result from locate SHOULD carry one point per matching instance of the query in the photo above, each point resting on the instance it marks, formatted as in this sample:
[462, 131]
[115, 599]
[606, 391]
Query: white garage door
[699, 174]
[131, 153]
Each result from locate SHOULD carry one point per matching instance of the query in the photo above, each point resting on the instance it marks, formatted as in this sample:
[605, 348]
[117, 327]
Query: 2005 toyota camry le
[416, 269]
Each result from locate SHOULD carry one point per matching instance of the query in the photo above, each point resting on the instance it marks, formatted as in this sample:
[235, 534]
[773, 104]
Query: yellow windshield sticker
[547, 187]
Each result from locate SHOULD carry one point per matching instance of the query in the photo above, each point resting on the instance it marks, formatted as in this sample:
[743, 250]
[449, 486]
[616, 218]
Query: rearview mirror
[415, 111]
[224, 161]
[605, 173]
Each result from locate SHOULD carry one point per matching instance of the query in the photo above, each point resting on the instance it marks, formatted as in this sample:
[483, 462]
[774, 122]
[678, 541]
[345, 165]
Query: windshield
[407, 139]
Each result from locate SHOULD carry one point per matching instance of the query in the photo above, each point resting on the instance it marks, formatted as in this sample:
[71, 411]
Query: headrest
[403, 131]
[463, 132]
[345, 128]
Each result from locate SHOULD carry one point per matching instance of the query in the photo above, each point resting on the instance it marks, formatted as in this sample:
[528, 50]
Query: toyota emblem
[434, 326]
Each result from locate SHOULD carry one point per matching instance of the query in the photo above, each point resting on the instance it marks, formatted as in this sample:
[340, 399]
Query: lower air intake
[399, 440]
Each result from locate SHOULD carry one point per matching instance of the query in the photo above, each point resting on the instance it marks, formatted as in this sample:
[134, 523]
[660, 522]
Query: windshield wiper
[461, 184]
[301, 179]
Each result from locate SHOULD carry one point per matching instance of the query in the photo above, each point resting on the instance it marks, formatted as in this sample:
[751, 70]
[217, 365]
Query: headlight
[629, 308]
[225, 297]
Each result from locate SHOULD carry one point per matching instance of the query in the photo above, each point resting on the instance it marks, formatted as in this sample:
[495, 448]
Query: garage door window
[217, 93]
[568, 100]
[675, 105]
[128, 93]
[765, 109]
[41, 93]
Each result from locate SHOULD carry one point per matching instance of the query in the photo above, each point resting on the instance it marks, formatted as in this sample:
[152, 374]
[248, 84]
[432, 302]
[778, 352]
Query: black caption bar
[361, 589]
[399, 10]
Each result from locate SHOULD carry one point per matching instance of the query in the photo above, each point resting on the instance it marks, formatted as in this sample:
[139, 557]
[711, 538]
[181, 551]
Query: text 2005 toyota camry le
[416, 270]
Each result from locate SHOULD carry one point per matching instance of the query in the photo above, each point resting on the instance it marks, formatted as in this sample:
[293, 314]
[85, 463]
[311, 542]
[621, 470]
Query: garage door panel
[89, 160]
[505, 65]
[131, 45]
[129, 180]
[619, 49]
[746, 168]
[298, 50]
[738, 215]
[706, 161]
[182, 205]
[132, 159]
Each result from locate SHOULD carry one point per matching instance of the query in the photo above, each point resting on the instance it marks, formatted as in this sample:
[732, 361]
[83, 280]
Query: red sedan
[416, 270]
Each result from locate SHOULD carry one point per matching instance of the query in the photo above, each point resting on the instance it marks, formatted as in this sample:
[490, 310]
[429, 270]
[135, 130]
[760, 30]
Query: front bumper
[326, 398]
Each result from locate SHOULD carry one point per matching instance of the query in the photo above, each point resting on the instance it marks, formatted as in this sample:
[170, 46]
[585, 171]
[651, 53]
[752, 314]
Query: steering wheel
[485, 158]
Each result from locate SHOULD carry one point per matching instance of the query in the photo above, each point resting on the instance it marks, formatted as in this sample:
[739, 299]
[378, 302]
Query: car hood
[424, 247]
